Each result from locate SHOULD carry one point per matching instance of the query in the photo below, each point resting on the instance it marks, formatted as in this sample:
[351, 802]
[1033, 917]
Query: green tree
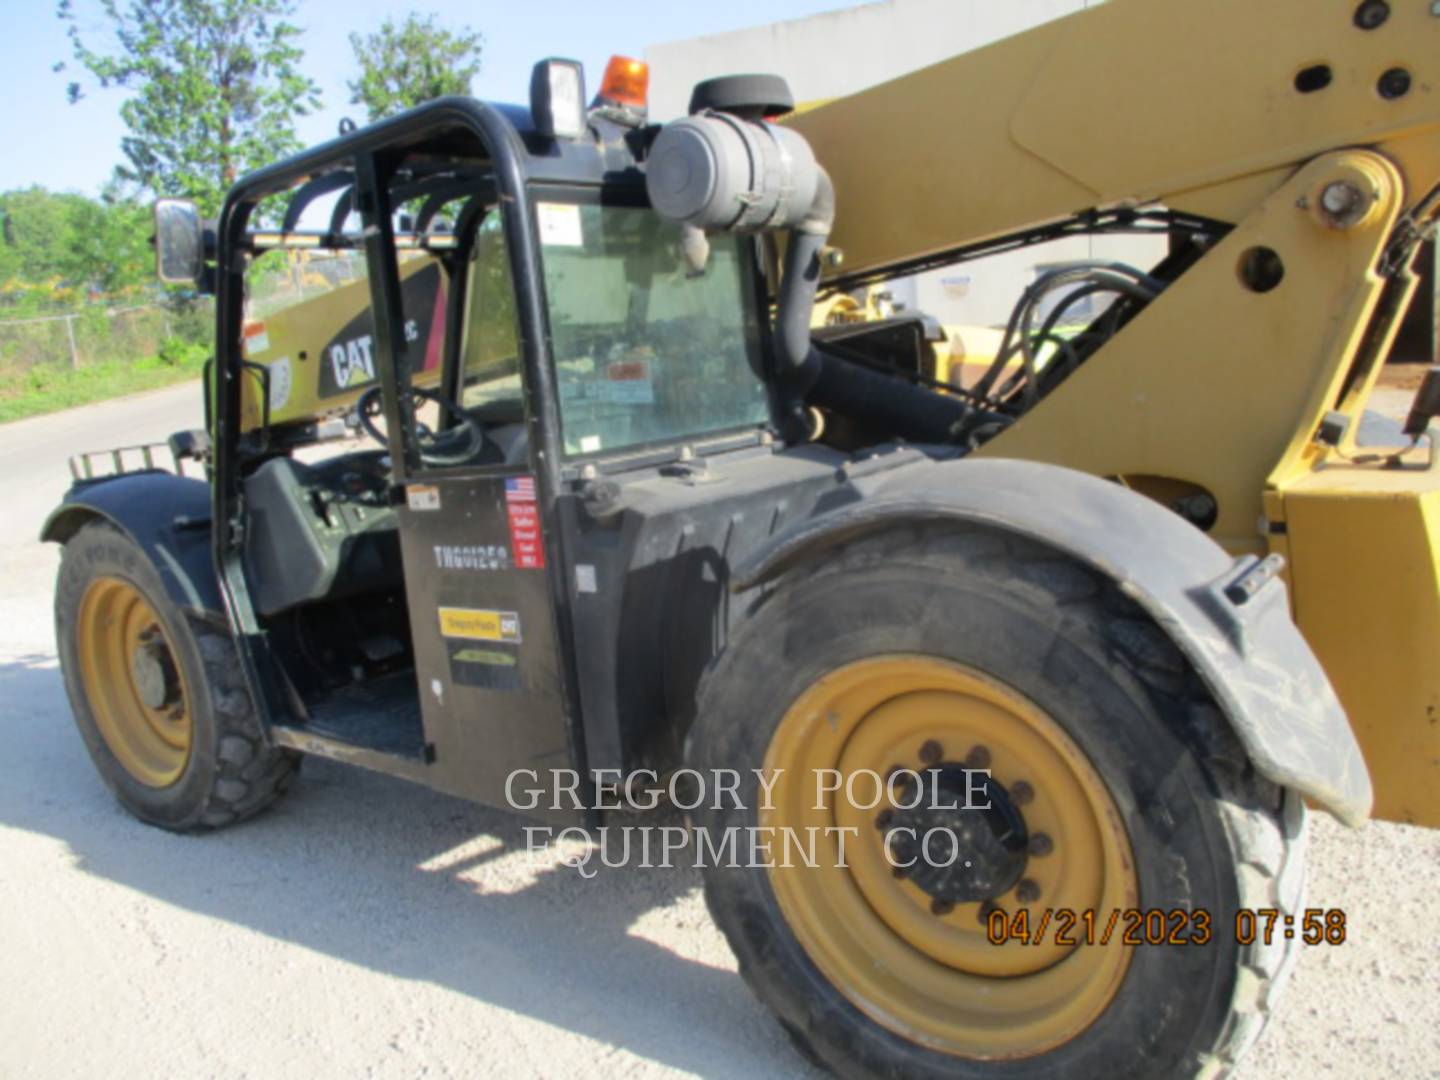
[58, 248]
[214, 88]
[38, 236]
[414, 62]
[111, 243]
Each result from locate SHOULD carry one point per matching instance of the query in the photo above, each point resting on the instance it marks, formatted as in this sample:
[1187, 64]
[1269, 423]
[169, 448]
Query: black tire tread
[251, 774]
[1265, 824]
[248, 774]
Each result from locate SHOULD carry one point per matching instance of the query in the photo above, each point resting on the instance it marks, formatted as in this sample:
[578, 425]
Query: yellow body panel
[1364, 553]
[1215, 384]
[1214, 388]
[1190, 104]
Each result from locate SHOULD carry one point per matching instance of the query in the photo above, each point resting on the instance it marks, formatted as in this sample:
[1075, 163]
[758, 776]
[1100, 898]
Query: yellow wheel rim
[136, 692]
[914, 962]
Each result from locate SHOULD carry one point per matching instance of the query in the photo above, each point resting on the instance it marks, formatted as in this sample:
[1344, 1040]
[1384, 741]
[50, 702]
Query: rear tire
[1205, 832]
[203, 763]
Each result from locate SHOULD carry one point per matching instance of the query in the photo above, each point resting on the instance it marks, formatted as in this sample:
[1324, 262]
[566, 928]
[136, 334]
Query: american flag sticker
[520, 489]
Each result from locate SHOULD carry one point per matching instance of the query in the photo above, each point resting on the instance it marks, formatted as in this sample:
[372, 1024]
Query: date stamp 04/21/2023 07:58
[1158, 926]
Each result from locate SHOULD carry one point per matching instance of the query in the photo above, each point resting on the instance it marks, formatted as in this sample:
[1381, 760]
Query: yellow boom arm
[1312, 128]
[1195, 105]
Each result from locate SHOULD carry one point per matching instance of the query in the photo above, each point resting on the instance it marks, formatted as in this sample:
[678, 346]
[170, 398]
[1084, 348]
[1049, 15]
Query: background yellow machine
[1303, 141]
[315, 357]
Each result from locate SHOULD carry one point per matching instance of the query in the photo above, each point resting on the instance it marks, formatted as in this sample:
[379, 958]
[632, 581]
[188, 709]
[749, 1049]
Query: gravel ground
[366, 927]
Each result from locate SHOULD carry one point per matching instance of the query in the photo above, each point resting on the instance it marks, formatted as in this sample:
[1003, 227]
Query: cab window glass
[308, 334]
[310, 325]
[646, 351]
[490, 350]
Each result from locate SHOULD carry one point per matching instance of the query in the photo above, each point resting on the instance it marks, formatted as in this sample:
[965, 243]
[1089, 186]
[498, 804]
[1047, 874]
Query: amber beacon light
[626, 82]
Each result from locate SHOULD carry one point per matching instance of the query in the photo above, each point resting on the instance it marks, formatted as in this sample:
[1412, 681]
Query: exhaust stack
[726, 168]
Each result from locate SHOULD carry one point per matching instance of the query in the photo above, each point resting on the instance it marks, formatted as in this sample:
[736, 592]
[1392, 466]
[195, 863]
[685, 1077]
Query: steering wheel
[456, 445]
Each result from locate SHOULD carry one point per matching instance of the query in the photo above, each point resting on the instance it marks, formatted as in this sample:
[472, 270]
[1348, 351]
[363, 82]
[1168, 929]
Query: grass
[48, 388]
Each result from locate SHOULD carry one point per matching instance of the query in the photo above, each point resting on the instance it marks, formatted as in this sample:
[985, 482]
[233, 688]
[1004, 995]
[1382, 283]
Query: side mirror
[179, 242]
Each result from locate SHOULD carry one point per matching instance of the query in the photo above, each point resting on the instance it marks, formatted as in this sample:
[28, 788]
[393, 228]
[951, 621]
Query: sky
[75, 147]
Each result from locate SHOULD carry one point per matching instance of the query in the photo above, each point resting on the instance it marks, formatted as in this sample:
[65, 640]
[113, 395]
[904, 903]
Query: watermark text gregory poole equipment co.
[914, 798]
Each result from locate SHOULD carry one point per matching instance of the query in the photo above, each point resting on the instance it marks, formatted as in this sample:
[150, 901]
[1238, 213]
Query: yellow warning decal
[474, 625]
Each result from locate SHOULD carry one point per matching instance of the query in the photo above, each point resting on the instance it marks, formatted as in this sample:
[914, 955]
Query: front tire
[945, 648]
[158, 696]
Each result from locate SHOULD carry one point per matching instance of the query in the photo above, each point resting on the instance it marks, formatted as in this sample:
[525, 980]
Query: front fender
[168, 516]
[1231, 618]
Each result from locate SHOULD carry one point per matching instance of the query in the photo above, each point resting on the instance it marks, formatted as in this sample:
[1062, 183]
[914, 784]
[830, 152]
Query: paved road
[366, 927]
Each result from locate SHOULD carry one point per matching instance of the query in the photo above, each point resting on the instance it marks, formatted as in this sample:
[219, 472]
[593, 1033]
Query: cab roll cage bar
[372, 164]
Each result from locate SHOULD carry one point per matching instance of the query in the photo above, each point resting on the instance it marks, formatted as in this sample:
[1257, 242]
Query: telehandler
[621, 509]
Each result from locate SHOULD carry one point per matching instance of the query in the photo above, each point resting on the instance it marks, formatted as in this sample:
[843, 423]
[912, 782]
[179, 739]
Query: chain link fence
[77, 339]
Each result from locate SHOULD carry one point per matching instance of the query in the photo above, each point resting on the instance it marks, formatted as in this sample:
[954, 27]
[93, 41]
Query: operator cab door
[490, 675]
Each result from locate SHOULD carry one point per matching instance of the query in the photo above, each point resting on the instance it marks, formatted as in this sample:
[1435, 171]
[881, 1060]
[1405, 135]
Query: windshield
[643, 352]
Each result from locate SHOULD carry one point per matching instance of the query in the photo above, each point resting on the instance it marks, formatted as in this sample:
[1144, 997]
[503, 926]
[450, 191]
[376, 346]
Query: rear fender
[168, 516]
[1231, 618]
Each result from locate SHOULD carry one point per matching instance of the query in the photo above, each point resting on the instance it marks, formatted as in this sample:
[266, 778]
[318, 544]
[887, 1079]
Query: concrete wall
[842, 52]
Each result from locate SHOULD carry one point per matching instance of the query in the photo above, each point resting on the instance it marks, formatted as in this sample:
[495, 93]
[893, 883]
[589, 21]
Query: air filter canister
[718, 171]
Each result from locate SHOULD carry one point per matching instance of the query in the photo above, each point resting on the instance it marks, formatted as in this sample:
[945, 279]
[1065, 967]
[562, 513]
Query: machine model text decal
[471, 557]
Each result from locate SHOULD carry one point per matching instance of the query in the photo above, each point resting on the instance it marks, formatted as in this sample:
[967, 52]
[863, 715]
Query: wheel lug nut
[1041, 844]
[941, 907]
[1027, 892]
[1021, 793]
[884, 818]
[931, 752]
[979, 758]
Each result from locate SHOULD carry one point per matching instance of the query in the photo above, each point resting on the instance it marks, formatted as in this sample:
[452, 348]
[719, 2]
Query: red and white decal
[254, 339]
[525, 544]
[629, 383]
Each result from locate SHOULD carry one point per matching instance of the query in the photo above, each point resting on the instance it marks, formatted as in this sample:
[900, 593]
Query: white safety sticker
[560, 225]
[280, 380]
[585, 581]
